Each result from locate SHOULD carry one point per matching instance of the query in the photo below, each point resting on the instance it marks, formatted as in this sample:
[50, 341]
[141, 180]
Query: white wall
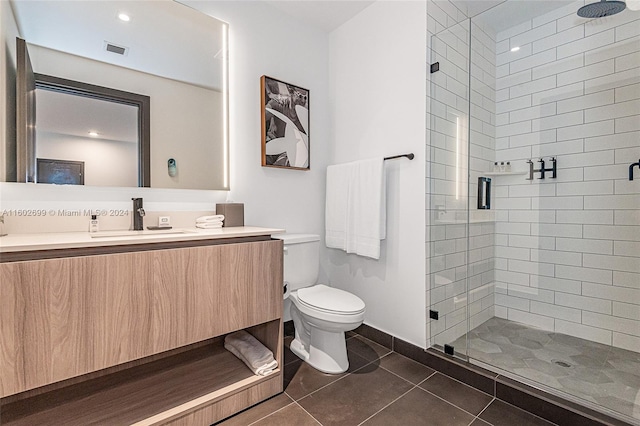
[265, 41]
[378, 73]
[105, 162]
[568, 249]
[262, 41]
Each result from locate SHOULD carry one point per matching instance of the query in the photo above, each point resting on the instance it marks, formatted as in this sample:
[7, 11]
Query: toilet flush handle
[285, 250]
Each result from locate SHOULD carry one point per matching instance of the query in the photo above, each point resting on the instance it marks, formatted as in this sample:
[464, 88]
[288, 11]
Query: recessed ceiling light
[124, 17]
[93, 134]
[515, 49]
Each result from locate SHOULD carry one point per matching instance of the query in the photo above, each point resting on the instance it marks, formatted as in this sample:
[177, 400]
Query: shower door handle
[484, 193]
[631, 169]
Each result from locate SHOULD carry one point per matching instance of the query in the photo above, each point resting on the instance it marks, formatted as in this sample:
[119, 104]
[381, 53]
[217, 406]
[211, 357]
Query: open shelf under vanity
[154, 392]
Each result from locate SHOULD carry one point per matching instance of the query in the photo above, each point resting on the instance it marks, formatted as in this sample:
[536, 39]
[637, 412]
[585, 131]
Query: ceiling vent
[114, 48]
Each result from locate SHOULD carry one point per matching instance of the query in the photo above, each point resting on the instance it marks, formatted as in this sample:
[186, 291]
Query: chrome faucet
[138, 214]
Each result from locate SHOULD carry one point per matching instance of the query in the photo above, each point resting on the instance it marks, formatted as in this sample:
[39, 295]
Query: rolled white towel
[207, 219]
[209, 225]
[262, 370]
[250, 351]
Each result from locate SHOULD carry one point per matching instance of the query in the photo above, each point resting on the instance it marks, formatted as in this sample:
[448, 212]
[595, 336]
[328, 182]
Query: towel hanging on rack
[355, 213]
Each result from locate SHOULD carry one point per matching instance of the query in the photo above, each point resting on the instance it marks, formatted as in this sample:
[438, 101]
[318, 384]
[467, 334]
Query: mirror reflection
[165, 51]
[100, 135]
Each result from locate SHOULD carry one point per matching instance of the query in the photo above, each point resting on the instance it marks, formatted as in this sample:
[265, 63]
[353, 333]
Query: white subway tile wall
[567, 250]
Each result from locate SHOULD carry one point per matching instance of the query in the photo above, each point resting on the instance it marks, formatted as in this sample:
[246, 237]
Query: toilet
[321, 314]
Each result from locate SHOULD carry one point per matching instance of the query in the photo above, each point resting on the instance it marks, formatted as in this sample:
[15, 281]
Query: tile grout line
[403, 378]
[335, 381]
[448, 402]
[469, 386]
[528, 412]
[310, 415]
[482, 411]
[414, 386]
[273, 412]
[473, 387]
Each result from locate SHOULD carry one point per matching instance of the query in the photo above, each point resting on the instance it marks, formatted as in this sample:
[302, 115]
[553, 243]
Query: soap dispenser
[93, 223]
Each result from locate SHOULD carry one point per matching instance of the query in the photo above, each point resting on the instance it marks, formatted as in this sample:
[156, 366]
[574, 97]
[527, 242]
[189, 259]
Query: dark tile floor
[381, 387]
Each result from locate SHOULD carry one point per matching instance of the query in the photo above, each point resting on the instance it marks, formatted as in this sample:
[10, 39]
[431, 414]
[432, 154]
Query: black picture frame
[285, 125]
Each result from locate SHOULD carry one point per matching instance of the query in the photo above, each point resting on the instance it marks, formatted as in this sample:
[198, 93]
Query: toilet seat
[330, 300]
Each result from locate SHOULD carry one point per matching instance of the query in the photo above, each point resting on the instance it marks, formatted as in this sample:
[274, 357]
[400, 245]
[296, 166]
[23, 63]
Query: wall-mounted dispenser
[484, 193]
[172, 166]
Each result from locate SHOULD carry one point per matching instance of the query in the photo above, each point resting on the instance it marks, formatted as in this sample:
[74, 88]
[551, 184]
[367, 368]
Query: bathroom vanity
[129, 329]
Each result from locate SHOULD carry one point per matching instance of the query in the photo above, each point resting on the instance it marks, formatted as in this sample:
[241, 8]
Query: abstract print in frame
[285, 124]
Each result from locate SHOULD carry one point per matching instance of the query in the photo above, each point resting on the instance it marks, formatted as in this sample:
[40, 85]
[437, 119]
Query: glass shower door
[449, 189]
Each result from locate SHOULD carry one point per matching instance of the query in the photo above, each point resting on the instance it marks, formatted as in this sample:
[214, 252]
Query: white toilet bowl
[321, 315]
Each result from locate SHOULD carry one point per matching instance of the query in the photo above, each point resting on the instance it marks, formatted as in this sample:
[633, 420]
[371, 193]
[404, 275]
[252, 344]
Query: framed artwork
[285, 124]
[60, 172]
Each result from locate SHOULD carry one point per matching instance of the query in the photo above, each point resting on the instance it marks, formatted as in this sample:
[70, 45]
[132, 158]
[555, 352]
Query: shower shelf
[504, 173]
[461, 221]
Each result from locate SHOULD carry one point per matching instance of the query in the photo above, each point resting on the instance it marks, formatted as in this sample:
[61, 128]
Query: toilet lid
[330, 299]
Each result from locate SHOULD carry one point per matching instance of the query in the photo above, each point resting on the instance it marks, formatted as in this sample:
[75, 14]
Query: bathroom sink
[112, 234]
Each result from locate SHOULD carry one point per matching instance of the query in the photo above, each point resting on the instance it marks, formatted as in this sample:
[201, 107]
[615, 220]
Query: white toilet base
[327, 351]
[320, 342]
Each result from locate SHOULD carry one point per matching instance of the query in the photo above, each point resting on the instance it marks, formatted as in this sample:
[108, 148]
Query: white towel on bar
[213, 218]
[355, 213]
[250, 351]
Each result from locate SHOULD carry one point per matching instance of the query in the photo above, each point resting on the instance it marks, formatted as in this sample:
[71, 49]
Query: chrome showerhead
[601, 9]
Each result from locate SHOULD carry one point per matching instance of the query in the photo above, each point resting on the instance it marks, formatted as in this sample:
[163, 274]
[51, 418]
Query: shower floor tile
[594, 372]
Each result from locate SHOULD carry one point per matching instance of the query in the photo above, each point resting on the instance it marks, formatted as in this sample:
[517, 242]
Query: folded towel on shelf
[250, 351]
[355, 215]
[209, 225]
[213, 218]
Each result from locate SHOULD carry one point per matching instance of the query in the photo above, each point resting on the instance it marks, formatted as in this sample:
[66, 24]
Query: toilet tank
[301, 259]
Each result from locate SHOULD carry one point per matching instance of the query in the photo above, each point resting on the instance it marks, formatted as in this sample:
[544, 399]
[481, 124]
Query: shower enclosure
[534, 224]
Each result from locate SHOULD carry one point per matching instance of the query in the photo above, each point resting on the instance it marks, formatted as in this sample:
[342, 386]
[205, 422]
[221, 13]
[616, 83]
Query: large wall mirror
[83, 73]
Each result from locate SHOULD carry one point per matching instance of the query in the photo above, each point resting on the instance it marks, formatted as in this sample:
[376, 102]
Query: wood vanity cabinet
[134, 335]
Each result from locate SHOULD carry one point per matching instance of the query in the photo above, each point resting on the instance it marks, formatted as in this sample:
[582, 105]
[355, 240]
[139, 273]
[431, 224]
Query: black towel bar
[410, 156]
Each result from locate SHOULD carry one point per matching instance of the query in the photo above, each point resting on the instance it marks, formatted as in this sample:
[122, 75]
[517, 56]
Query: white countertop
[52, 241]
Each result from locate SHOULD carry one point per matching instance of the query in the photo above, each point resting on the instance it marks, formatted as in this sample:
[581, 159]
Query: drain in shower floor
[561, 363]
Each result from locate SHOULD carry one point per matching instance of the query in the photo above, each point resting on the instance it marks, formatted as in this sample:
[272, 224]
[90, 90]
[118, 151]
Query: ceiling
[506, 14]
[163, 37]
[77, 115]
[474, 7]
[326, 15]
